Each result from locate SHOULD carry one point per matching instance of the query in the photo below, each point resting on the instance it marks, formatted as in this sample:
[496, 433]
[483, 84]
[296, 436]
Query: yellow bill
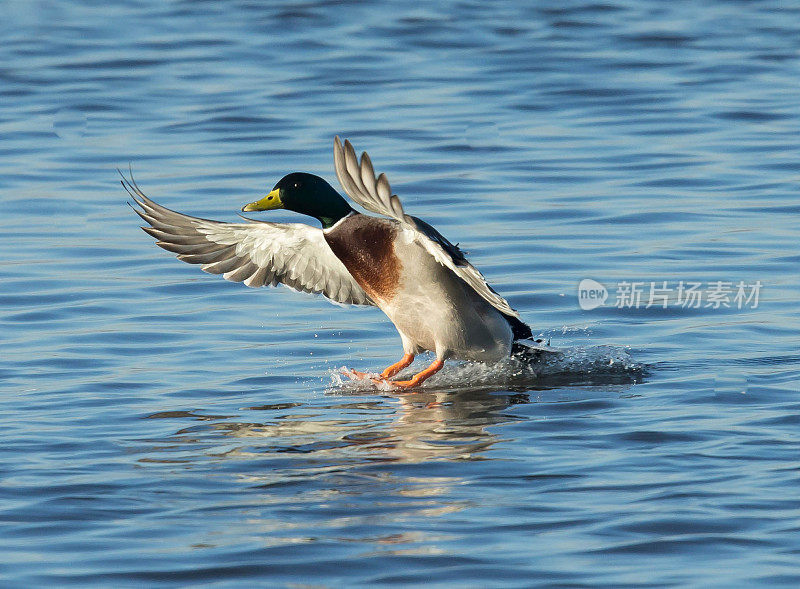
[269, 202]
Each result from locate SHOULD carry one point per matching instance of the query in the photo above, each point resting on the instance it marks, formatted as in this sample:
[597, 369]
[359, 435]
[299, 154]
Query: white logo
[591, 294]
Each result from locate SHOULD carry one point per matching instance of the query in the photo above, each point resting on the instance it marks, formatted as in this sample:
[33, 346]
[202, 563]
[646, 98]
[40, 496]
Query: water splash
[594, 365]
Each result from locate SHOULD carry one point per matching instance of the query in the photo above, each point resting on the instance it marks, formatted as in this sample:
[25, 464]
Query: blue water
[164, 427]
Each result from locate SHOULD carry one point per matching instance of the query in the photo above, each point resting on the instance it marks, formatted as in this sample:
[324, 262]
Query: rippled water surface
[163, 427]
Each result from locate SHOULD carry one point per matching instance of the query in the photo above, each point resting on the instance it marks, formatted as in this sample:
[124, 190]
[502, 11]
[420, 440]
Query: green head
[307, 194]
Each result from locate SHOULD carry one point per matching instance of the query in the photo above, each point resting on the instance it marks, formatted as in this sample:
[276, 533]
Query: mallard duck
[437, 300]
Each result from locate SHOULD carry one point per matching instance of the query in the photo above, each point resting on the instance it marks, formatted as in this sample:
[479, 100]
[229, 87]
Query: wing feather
[255, 253]
[241, 273]
[375, 194]
[259, 278]
[367, 173]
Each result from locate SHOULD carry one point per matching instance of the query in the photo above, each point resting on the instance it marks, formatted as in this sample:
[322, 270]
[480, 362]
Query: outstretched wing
[255, 253]
[374, 194]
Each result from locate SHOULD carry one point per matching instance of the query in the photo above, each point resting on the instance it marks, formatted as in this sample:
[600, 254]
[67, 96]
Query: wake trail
[594, 365]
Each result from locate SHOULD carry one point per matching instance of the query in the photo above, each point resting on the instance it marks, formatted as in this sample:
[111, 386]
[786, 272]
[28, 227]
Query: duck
[436, 299]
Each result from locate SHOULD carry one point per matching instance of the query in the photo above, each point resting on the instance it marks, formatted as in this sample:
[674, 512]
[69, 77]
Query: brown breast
[365, 245]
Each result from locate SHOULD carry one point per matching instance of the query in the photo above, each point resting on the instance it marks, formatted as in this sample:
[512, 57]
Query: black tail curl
[518, 328]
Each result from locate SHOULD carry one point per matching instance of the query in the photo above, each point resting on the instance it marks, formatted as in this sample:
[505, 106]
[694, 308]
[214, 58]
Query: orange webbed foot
[356, 374]
[406, 360]
[419, 378]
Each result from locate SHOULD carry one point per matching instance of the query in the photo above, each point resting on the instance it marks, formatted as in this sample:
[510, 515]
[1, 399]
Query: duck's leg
[421, 377]
[406, 360]
[388, 373]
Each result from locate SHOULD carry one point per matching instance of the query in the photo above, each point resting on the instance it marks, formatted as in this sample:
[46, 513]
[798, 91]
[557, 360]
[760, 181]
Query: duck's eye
[297, 184]
[270, 198]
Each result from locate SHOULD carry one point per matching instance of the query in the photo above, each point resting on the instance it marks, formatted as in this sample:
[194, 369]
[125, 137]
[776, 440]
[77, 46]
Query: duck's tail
[524, 346]
[532, 349]
[520, 330]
